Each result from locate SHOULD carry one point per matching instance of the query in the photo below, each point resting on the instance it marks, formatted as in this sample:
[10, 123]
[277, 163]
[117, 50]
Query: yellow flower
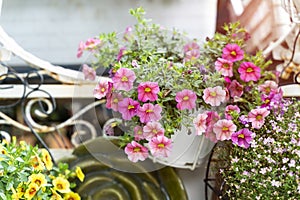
[21, 189]
[72, 196]
[31, 191]
[61, 184]
[79, 174]
[47, 159]
[55, 195]
[38, 179]
[36, 163]
[16, 194]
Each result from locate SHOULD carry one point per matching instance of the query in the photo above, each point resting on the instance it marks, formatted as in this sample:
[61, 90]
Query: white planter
[189, 150]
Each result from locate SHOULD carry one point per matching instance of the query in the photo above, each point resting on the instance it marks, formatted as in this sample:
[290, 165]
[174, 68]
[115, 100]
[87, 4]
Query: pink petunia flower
[191, 55]
[242, 137]
[186, 99]
[235, 89]
[136, 151]
[88, 72]
[101, 89]
[160, 146]
[138, 133]
[113, 100]
[233, 52]
[148, 91]
[128, 33]
[249, 72]
[190, 46]
[214, 96]
[200, 123]
[81, 48]
[224, 66]
[92, 43]
[121, 53]
[128, 108]
[212, 118]
[152, 129]
[257, 117]
[230, 109]
[149, 112]
[123, 79]
[224, 129]
[268, 87]
[134, 63]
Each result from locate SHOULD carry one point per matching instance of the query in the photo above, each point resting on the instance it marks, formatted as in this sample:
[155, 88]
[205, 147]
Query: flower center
[226, 65]
[258, 117]
[185, 98]
[213, 94]
[225, 128]
[249, 69]
[154, 131]
[140, 132]
[130, 107]
[136, 149]
[161, 145]
[38, 182]
[149, 111]
[116, 100]
[233, 53]
[102, 89]
[32, 191]
[241, 136]
[124, 79]
[147, 89]
[267, 101]
[60, 186]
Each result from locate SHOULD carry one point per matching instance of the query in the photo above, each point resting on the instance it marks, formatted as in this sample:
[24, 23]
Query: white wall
[52, 29]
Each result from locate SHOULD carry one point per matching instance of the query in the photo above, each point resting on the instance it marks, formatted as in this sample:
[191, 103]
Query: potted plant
[28, 172]
[162, 83]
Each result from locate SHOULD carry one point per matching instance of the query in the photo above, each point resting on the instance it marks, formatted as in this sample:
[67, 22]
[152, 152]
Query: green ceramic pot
[103, 180]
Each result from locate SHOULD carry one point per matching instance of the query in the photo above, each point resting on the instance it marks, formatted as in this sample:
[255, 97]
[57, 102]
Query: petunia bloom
[128, 108]
[235, 89]
[136, 152]
[232, 52]
[101, 89]
[230, 109]
[152, 129]
[257, 117]
[242, 137]
[123, 79]
[224, 129]
[138, 133]
[92, 43]
[224, 66]
[160, 146]
[200, 123]
[268, 87]
[214, 96]
[113, 100]
[80, 50]
[249, 72]
[191, 55]
[121, 53]
[190, 46]
[148, 91]
[212, 118]
[88, 72]
[149, 112]
[186, 99]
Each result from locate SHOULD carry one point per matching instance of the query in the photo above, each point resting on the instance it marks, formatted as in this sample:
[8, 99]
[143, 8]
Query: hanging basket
[188, 152]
